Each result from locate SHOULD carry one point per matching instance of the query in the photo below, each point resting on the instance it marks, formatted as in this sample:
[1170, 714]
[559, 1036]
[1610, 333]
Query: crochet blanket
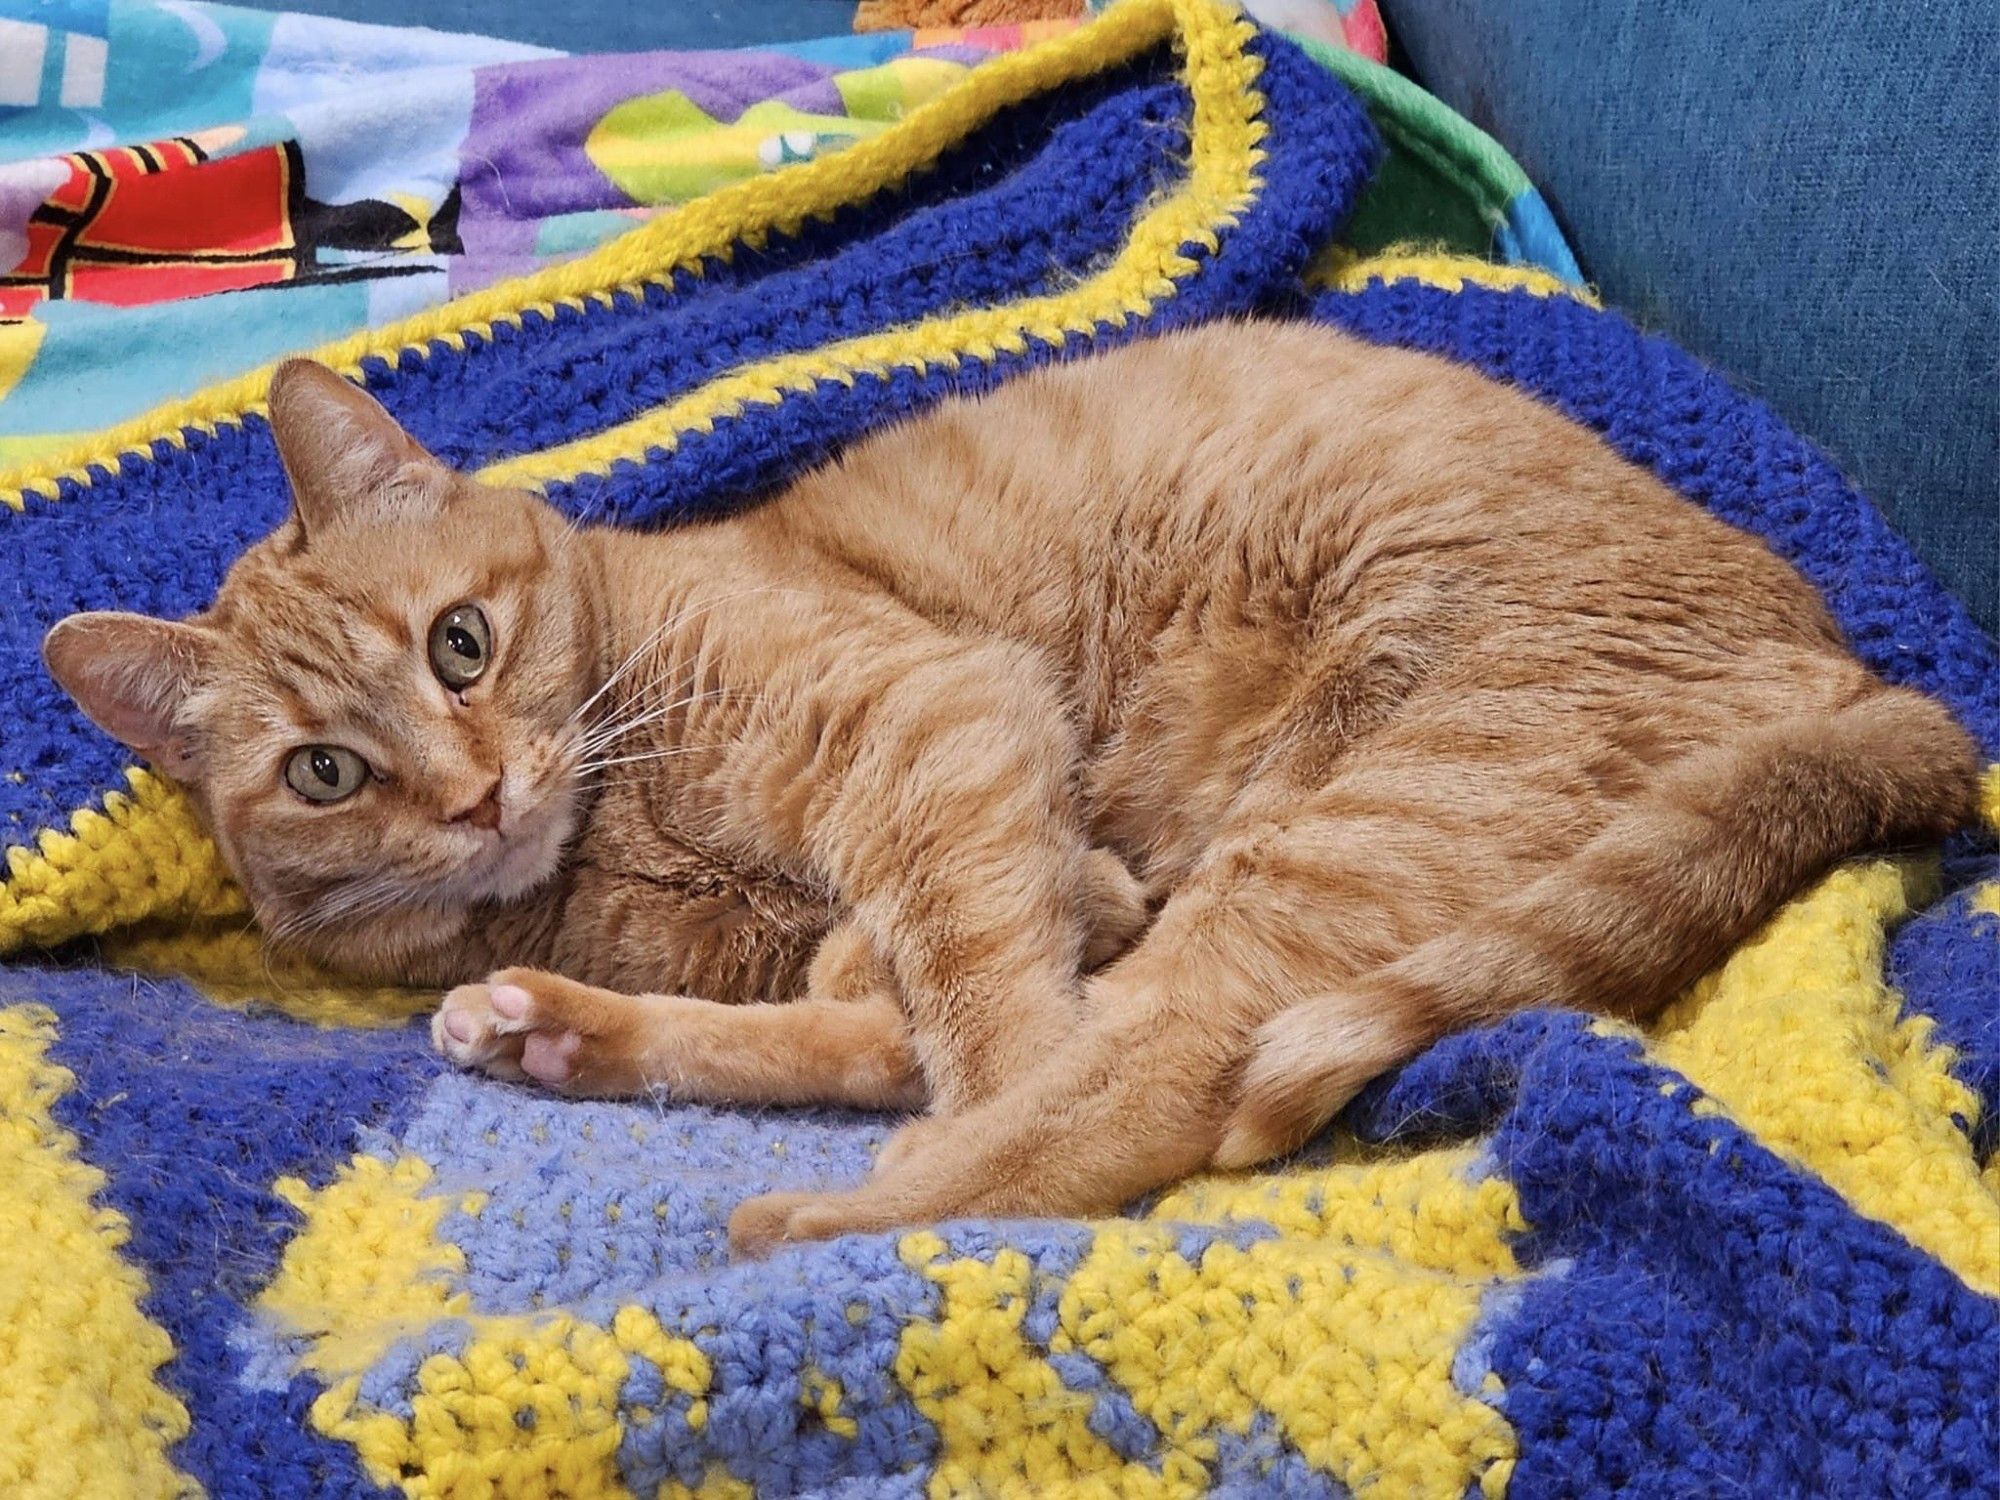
[255, 1241]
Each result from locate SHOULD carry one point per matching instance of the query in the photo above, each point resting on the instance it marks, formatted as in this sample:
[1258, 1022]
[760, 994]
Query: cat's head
[376, 716]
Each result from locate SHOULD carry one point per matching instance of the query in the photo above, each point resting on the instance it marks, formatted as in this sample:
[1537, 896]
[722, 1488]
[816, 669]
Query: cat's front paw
[468, 1031]
[518, 1024]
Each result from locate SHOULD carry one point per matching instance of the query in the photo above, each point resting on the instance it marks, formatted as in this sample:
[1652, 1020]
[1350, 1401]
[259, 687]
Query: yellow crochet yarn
[529, 1409]
[1799, 1040]
[81, 1414]
[1337, 268]
[228, 961]
[1344, 1330]
[142, 856]
[368, 1267]
[1987, 897]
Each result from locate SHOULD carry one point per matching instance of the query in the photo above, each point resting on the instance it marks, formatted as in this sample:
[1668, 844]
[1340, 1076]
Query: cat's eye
[325, 773]
[461, 645]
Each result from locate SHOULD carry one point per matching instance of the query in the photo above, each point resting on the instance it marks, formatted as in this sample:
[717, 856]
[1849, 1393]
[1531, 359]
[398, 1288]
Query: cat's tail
[1682, 875]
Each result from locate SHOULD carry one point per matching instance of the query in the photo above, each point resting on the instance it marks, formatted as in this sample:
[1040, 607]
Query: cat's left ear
[344, 455]
[132, 676]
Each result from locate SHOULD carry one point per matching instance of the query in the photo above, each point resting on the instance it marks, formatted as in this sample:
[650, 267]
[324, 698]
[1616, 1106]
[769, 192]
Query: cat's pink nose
[483, 813]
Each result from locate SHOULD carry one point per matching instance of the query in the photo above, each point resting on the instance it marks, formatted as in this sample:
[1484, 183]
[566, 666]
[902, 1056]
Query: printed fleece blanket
[188, 191]
[256, 1241]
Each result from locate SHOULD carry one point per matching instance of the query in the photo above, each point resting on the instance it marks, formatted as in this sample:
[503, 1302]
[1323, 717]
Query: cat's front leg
[527, 1024]
[946, 817]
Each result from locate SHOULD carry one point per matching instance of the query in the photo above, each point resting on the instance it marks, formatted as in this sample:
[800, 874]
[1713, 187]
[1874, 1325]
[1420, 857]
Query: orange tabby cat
[1405, 702]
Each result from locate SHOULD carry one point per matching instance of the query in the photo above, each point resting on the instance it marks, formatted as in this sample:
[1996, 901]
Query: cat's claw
[761, 1224]
[772, 1220]
[913, 1190]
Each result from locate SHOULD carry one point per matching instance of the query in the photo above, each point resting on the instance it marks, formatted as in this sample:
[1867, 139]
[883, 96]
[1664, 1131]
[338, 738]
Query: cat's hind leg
[1496, 851]
[943, 812]
[525, 1024]
[850, 965]
[1682, 874]
[1300, 894]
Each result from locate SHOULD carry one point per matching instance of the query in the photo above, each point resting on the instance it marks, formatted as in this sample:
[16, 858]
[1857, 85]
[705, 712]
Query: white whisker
[355, 902]
[601, 739]
[679, 617]
[626, 760]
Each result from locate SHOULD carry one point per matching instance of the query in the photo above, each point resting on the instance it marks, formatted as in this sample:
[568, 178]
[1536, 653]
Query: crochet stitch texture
[261, 1244]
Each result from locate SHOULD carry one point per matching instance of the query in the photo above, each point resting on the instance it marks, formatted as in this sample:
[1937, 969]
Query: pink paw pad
[460, 1027]
[509, 1001]
[547, 1058]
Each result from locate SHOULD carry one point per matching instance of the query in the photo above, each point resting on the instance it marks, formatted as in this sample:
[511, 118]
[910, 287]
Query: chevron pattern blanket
[254, 1241]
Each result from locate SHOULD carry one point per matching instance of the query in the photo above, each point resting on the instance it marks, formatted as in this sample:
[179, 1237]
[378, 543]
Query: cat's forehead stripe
[325, 622]
[517, 570]
[298, 665]
[390, 621]
[296, 711]
[363, 640]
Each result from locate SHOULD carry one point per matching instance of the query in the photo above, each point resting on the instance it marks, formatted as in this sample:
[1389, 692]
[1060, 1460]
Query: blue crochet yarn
[194, 1112]
[1712, 1320]
[1946, 963]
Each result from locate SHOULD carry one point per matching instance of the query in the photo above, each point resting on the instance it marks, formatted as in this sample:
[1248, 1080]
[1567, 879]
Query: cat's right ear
[344, 455]
[131, 675]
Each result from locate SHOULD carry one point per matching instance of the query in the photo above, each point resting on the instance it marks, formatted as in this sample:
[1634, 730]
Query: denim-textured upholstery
[1807, 195]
